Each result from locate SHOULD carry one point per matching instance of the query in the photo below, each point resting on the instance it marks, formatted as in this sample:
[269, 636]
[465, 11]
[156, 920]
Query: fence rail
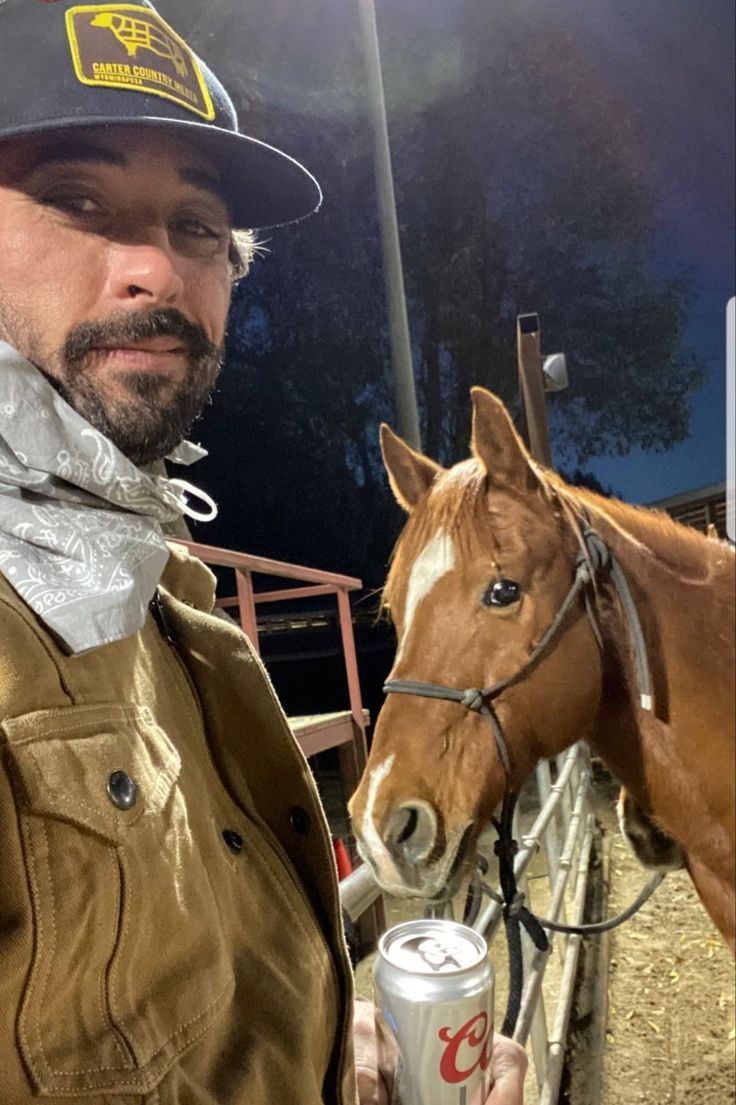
[319, 583]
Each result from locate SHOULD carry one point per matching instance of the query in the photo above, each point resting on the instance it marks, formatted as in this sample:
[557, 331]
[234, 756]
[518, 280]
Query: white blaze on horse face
[371, 839]
[435, 560]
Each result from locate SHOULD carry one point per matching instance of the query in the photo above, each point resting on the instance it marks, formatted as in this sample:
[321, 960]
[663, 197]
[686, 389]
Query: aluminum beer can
[434, 994]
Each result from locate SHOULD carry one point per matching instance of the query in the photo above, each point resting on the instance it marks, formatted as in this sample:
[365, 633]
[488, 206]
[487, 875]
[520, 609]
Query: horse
[504, 589]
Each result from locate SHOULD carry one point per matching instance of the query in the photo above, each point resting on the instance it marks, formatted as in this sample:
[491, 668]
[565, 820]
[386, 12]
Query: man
[169, 919]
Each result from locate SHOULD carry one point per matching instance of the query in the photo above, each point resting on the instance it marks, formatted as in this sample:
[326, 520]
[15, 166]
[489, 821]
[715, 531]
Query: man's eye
[73, 203]
[195, 228]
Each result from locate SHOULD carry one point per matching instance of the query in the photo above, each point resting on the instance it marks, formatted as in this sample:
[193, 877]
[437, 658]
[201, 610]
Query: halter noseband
[593, 558]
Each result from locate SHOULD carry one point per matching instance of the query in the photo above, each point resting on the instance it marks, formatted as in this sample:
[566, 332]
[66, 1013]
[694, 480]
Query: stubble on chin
[145, 415]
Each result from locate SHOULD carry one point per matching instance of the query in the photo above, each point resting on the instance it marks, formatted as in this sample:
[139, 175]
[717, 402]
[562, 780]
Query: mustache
[85, 337]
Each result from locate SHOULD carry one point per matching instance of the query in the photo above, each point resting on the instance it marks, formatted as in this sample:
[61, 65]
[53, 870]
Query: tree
[517, 190]
[521, 191]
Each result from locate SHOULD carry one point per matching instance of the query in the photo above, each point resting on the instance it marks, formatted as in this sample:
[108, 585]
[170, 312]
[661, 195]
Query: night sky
[672, 67]
[669, 68]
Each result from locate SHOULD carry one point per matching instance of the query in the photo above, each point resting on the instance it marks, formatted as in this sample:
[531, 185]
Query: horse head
[479, 573]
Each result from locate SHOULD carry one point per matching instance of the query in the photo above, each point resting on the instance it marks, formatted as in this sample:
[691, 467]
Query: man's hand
[375, 1062]
[375, 1058]
[509, 1068]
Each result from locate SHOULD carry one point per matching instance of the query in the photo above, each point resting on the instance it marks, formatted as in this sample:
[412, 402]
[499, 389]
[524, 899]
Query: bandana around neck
[80, 526]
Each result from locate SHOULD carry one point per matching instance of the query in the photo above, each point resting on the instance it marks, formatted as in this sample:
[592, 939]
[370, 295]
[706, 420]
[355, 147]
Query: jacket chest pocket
[129, 963]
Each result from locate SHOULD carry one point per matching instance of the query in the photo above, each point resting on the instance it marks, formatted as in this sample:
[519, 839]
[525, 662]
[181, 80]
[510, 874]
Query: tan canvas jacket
[145, 957]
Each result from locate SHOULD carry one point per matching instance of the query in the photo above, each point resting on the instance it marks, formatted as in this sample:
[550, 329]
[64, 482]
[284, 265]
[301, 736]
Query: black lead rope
[515, 912]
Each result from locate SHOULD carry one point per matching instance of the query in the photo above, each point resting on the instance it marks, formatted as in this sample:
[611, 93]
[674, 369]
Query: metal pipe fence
[563, 814]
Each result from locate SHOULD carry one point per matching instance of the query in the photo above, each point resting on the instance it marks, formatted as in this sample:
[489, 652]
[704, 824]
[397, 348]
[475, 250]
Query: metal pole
[556, 1053]
[358, 892]
[398, 325]
[531, 383]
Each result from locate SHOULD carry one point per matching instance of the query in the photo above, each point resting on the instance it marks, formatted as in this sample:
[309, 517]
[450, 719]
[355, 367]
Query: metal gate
[561, 830]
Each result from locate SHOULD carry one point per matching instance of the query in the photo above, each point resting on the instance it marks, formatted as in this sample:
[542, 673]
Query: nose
[146, 270]
[411, 833]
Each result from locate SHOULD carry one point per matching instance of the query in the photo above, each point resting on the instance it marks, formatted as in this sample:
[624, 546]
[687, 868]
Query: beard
[148, 413]
[144, 414]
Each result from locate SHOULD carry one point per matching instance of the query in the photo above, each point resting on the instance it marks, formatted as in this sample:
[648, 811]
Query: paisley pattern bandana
[80, 525]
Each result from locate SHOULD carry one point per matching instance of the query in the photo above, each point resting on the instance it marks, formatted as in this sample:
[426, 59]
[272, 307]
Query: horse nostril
[412, 832]
[412, 819]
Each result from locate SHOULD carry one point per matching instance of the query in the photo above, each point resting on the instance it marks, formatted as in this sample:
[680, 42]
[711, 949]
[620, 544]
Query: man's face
[114, 276]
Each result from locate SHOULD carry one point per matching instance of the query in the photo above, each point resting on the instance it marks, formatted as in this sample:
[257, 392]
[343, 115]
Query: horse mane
[679, 548]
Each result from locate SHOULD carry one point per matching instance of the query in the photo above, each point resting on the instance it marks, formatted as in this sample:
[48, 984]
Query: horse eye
[501, 593]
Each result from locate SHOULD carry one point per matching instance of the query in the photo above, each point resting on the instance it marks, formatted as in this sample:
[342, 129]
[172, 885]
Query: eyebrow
[206, 182]
[76, 151]
[92, 153]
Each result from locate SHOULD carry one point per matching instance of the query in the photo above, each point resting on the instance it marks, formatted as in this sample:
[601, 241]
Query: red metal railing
[246, 566]
[371, 921]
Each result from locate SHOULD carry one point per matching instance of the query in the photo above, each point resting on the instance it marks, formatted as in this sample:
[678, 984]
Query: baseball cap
[65, 65]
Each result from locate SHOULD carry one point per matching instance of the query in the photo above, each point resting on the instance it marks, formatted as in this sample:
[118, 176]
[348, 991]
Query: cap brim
[263, 186]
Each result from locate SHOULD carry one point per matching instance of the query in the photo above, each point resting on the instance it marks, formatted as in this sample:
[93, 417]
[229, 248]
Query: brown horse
[480, 572]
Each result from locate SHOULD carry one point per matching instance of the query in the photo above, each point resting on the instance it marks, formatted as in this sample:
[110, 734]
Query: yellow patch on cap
[127, 46]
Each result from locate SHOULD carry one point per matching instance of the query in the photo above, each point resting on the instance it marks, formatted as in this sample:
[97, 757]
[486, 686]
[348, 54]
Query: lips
[146, 345]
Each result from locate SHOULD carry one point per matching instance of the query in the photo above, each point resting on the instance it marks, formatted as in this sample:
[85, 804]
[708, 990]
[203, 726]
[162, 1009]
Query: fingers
[371, 1087]
[373, 1069]
[509, 1069]
[375, 1062]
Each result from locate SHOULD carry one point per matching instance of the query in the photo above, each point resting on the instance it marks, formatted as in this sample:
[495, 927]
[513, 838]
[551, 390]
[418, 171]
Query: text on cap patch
[129, 47]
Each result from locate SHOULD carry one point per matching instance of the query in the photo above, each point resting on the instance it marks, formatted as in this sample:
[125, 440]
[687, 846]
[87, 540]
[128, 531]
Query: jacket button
[299, 820]
[233, 840]
[122, 790]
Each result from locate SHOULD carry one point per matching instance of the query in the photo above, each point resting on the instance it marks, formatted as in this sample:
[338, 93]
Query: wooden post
[353, 758]
[351, 659]
[531, 385]
[247, 607]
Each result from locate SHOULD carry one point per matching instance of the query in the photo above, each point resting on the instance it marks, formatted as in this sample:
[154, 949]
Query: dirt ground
[668, 1036]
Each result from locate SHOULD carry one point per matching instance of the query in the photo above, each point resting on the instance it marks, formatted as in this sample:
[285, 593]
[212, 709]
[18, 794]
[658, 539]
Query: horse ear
[497, 445]
[410, 473]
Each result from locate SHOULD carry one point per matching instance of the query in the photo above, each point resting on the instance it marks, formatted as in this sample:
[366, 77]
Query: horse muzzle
[411, 855]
